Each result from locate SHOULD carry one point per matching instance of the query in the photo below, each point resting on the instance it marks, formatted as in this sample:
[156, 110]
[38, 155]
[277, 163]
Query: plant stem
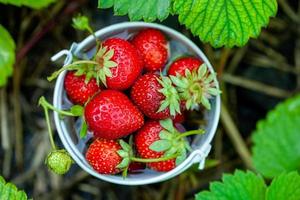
[192, 132]
[148, 160]
[47, 105]
[69, 67]
[235, 136]
[49, 126]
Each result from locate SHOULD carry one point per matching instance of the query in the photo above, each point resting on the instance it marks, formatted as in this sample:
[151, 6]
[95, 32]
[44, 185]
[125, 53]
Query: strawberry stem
[46, 111]
[47, 105]
[148, 160]
[192, 132]
[69, 67]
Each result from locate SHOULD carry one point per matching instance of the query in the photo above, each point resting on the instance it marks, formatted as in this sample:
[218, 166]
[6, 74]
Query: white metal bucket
[68, 129]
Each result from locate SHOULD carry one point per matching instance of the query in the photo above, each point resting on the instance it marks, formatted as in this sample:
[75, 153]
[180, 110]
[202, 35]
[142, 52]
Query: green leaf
[9, 191]
[36, 4]
[160, 145]
[276, 146]
[84, 129]
[239, 186]
[105, 3]
[225, 22]
[81, 22]
[77, 110]
[285, 186]
[7, 55]
[142, 9]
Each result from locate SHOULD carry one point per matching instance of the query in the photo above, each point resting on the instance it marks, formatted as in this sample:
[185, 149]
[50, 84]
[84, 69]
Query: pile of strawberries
[131, 107]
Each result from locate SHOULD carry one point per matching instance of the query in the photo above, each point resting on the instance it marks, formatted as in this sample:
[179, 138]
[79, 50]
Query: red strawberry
[162, 142]
[129, 64]
[117, 65]
[194, 82]
[144, 138]
[78, 90]
[179, 118]
[150, 93]
[180, 65]
[152, 45]
[111, 115]
[103, 157]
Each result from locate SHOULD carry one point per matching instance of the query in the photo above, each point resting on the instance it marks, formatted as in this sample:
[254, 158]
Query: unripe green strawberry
[59, 161]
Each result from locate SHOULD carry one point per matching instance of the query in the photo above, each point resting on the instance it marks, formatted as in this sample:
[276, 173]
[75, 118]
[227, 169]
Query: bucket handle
[199, 155]
[67, 53]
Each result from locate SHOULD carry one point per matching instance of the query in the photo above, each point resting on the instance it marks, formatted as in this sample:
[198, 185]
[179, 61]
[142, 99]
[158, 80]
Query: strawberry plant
[277, 138]
[7, 44]
[7, 55]
[9, 191]
[250, 186]
[221, 23]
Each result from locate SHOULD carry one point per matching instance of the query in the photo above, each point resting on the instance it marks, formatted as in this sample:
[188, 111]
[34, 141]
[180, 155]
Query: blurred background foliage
[254, 79]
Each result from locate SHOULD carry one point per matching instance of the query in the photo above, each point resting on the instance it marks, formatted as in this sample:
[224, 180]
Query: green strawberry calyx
[196, 87]
[128, 156]
[99, 67]
[172, 98]
[172, 142]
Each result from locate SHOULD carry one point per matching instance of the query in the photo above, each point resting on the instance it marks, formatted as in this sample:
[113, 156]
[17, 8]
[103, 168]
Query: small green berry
[59, 161]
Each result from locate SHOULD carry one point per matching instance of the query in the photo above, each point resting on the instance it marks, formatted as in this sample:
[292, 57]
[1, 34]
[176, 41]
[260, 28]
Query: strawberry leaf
[277, 139]
[30, 3]
[142, 9]
[7, 55]
[160, 145]
[249, 186]
[223, 22]
[10, 191]
[285, 186]
[77, 110]
[240, 185]
[84, 129]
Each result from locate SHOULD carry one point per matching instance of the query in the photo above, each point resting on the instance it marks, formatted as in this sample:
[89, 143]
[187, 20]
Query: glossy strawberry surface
[77, 90]
[152, 46]
[145, 94]
[129, 64]
[180, 65]
[111, 115]
[103, 157]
